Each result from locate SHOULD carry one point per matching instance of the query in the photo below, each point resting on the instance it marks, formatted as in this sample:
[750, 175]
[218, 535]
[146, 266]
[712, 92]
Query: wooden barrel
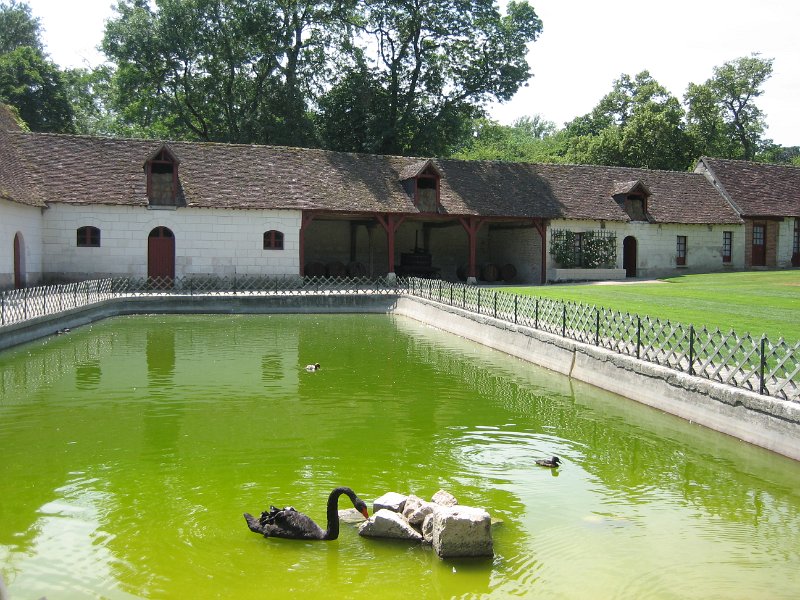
[356, 269]
[490, 272]
[508, 272]
[461, 272]
[336, 269]
[314, 269]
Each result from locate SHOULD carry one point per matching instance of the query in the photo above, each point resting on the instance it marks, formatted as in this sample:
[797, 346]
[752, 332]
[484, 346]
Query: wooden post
[472, 225]
[305, 221]
[390, 223]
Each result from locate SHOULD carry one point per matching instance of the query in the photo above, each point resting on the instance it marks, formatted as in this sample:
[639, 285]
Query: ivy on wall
[586, 249]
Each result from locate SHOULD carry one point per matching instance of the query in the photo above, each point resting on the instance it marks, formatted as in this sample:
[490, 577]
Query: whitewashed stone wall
[785, 242]
[520, 247]
[219, 242]
[657, 246]
[26, 220]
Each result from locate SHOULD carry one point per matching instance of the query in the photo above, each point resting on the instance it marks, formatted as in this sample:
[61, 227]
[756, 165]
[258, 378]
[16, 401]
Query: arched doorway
[629, 256]
[161, 254]
[19, 279]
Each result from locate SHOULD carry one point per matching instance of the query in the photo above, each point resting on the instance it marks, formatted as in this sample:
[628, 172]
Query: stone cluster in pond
[452, 530]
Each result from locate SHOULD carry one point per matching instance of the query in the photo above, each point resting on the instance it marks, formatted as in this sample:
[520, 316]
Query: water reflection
[160, 352]
[87, 375]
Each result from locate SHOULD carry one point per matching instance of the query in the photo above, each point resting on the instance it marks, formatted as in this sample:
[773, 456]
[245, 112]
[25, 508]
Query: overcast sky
[585, 46]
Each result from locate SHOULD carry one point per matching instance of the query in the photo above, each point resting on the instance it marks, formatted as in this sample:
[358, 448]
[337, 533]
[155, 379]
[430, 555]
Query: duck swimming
[552, 462]
[290, 524]
[314, 367]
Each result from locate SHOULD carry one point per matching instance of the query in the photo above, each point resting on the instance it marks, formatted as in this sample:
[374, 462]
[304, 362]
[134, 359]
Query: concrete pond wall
[760, 420]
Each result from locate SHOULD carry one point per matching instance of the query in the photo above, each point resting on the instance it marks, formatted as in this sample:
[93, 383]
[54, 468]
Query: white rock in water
[390, 501]
[444, 498]
[416, 509]
[388, 524]
[462, 531]
[427, 529]
[350, 515]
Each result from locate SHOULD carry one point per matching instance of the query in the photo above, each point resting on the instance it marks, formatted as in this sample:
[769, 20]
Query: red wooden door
[759, 255]
[17, 262]
[161, 254]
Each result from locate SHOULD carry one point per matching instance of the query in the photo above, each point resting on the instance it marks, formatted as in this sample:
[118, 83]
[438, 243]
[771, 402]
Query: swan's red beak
[365, 512]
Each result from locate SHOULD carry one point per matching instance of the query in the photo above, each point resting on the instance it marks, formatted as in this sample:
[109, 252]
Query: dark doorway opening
[629, 256]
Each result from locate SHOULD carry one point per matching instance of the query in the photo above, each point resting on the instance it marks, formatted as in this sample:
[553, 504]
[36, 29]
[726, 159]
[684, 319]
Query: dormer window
[421, 181]
[161, 170]
[636, 207]
[632, 197]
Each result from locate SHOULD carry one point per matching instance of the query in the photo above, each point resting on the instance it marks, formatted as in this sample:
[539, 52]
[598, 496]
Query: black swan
[288, 523]
[551, 463]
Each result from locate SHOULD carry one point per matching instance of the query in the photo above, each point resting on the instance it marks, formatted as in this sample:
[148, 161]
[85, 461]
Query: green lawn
[755, 302]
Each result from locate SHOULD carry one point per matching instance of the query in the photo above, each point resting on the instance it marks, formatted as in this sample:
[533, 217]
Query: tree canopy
[411, 77]
[407, 75]
[18, 27]
[29, 81]
[640, 124]
[723, 116]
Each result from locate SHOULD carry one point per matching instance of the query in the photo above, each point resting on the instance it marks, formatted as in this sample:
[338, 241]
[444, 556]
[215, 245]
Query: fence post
[516, 298]
[3, 310]
[762, 384]
[536, 314]
[440, 290]
[597, 327]
[691, 349]
[464, 299]
[495, 305]
[638, 336]
[564, 321]
[451, 295]
[479, 300]
[25, 306]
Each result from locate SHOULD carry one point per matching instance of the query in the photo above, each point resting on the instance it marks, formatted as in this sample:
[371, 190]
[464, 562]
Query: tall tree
[427, 68]
[18, 27]
[528, 139]
[226, 70]
[29, 81]
[34, 85]
[723, 117]
[638, 124]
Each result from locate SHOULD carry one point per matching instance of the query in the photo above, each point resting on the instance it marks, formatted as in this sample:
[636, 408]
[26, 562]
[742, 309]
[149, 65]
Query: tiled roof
[758, 189]
[15, 184]
[92, 170]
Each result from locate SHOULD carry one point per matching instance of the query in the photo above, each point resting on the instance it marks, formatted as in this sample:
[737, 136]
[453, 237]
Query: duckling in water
[314, 367]
[551, 463]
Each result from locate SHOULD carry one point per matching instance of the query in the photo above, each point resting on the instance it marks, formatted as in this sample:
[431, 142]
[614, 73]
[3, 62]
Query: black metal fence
[752, 363]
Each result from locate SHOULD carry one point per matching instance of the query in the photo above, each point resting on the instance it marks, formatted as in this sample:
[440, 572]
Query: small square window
[88, 237]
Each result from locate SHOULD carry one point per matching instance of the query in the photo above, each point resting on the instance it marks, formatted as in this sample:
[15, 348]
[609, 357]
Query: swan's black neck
[332, 532]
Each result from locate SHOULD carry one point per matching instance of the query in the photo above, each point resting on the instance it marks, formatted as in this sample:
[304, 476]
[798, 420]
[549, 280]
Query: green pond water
[130, 449]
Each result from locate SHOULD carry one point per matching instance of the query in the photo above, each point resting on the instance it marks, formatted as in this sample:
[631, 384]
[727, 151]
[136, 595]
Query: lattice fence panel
[582, 323]
[665, 343]
[782, 370]
[619, 332]
[729, 359]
